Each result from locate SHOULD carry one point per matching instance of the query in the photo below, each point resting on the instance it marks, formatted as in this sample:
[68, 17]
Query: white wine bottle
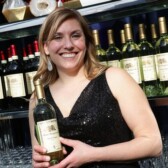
[162, 56]
[122, 38]
[100, 52]
[113, 53]
[151, 85]
[46, 127]
[131, 53]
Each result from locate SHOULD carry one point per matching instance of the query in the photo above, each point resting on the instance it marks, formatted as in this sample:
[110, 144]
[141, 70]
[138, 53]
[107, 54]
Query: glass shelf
[94, 14]
[155, 101]
[158, 101]
[13, 114]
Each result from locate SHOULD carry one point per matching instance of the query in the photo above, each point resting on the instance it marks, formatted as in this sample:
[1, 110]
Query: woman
[103, 115]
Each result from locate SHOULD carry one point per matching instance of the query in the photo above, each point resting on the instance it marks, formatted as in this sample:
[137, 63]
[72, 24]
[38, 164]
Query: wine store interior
[19, 44]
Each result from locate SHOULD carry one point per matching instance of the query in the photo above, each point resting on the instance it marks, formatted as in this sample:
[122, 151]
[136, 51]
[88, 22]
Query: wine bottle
[25, 65]
[37, 55]
[151, 85]
[154, 40]
[15, 81]
[30, 72]
[25, 58]
[154, 35]
[113, 53]
[100, 52]
[5, 72]
[46, 127]
[162, 56]
[130, 56]
[122, 38]
[3, 103]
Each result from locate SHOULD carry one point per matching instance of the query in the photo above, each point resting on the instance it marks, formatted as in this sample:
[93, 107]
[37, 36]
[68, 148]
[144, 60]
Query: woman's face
[67, 49]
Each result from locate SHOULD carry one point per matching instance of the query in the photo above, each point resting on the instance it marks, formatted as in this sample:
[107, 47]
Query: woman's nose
[68, 43]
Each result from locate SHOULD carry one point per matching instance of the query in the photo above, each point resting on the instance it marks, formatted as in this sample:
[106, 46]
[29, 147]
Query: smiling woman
[91, 101]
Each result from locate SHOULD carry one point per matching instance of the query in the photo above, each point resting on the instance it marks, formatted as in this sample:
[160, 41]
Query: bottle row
[146, 62]
[16, 76]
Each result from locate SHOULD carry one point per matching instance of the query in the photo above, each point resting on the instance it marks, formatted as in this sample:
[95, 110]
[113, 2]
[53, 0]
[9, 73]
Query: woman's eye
[76, 35]
[57, 37]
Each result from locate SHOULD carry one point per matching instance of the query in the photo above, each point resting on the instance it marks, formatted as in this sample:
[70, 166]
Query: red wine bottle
[3, 102]
[15, 81]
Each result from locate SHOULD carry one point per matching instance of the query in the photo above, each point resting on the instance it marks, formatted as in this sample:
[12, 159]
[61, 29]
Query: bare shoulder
[117, 74]
[120, 81]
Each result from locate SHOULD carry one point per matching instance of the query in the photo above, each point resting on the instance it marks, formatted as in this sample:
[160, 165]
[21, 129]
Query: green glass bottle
[46, 127]
[122, 38]
[151, 85]
[130, 56]
[113, 53]
[100, 52]
[162, 56]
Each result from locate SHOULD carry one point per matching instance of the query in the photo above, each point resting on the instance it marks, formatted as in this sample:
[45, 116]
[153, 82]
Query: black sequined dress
[95, 119]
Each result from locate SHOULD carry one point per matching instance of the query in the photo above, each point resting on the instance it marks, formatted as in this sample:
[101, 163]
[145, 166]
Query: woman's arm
[138, 116]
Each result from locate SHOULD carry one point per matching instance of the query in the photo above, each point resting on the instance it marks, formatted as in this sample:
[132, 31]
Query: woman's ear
[46, 49]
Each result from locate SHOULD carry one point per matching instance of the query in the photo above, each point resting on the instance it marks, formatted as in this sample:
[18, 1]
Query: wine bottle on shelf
[122, 37]
[151, 85]
[32, 68]
[25, 65]
[154, 35]
[100, 52]
[3, 102]
[15, 82]
[113, 53]
[5, 72]
[25, 58]
[30, 55]
[46, 127]
[130, 56]
[37, 54]
[162, 55]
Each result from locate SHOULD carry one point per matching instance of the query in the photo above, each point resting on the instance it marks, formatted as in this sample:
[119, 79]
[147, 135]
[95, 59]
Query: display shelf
[95, 13]
[13, 114]
[158, 101]
[155, 101]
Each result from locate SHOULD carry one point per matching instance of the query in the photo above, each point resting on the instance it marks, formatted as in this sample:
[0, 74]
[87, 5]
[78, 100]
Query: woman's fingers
[40, 159]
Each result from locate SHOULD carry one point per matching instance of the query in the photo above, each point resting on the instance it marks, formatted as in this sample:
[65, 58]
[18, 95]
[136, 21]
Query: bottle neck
[41, 100]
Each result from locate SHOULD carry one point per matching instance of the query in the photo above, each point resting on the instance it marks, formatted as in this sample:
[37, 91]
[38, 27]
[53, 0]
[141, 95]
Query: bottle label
[29, 81]
[149, 67]
[132, 66]
[115, 63]
[1, 89]
[162, 61]
[16, 85]
[48, 135]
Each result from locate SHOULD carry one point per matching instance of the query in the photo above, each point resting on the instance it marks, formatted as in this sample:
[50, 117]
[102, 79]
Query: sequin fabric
[95, 119]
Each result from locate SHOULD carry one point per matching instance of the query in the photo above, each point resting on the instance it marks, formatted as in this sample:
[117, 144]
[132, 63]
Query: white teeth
[68, 55]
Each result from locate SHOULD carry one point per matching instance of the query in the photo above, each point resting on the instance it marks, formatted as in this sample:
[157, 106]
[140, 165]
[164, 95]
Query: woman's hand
[80, 155]
[40, 159]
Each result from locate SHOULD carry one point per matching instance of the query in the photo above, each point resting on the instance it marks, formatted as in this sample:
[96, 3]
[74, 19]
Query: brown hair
[91, 66]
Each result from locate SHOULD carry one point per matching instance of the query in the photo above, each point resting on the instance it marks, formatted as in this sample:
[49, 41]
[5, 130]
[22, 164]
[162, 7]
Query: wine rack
[100, 13]
[94, 14]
